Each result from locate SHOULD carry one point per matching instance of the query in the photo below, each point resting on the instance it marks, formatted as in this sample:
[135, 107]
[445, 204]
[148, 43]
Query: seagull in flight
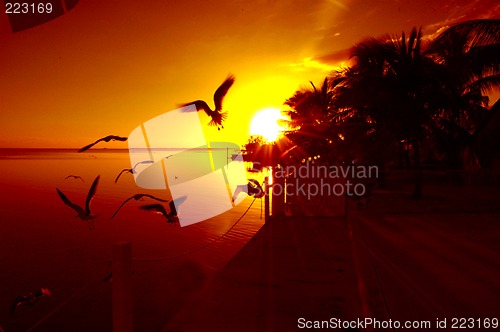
[83, 214]
[217, 115]
[74, 177]
[104, 139]
[30, 299]
[132, 170]
[137, 197]
[158, 208]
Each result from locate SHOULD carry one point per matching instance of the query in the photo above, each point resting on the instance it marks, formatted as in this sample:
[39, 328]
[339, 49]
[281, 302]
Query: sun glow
[266, 124]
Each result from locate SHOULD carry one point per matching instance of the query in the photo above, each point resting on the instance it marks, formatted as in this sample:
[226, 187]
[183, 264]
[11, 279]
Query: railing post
[122, 287]
[266, 200]
[278, 194]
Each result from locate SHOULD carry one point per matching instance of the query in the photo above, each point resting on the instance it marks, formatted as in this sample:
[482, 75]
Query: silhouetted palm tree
[311, 117]
[469, 56]
[388, 88]
[399, 91]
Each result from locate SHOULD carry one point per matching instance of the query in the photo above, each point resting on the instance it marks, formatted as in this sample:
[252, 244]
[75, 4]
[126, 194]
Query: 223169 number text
[28, 8]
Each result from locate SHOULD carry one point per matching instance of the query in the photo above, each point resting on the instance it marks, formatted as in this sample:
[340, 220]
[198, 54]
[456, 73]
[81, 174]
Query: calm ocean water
[42, 244]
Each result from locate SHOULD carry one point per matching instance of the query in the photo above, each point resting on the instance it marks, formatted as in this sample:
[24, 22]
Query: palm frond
[461, 37]
[485, 84]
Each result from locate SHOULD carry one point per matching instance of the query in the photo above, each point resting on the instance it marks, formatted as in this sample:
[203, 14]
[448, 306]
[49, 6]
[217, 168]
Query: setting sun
[265, 123]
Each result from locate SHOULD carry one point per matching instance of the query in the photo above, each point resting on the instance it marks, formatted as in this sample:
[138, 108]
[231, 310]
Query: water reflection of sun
[265, 123]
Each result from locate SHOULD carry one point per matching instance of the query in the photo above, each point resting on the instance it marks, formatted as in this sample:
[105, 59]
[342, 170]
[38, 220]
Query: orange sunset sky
[105, 67]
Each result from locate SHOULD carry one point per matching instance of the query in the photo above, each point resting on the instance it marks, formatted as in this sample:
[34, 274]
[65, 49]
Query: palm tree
[411, 95]
[388, 86]
[469, 56]
[398, 91]
[310, 117]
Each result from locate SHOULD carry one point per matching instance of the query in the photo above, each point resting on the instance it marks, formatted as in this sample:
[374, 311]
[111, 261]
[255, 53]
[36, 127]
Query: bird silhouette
[104, 139]
[217, 115]
[83, 214]
[30, 299]
[158, 208]
[132, 170]
[74, 177]
[137, 197]
[252, 188]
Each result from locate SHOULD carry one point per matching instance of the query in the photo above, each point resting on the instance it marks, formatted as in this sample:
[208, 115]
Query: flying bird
[217, 115]
[137, 197]
[132, 170]
[83, 214]
[158, 208]
[74, 177]
[104, 139]
[30, 299]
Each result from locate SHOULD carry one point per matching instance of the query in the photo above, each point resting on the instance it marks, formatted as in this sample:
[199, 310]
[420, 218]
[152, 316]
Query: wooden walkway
[294, 267]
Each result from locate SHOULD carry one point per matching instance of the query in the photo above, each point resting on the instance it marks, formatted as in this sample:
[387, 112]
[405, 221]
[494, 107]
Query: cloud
[335, 58]
[435, 29]
[338, 3]
[324, 63]
[478, 9]
[310, 63]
